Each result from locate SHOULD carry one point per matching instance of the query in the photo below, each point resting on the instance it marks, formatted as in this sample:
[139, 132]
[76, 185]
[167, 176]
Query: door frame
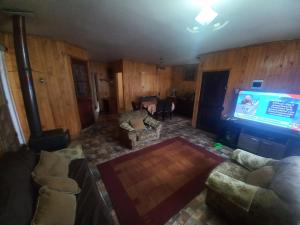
[198, 98]
[87, 62]
[198, 81]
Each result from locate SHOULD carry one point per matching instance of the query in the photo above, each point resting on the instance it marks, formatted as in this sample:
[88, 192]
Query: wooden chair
[168, 108]
[135, 106]
[160, 109]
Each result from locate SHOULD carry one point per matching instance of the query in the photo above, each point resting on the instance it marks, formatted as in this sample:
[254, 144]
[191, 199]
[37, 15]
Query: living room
[126, 112]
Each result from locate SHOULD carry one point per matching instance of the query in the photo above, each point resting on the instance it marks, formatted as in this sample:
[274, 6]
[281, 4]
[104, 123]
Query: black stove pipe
[25, 76]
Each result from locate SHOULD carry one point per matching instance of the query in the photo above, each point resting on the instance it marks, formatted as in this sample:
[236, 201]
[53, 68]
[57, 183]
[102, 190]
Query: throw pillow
[62, 184]
[51, 164]
[72, 153]
[137, 124]
[54, 207]
[261, 177]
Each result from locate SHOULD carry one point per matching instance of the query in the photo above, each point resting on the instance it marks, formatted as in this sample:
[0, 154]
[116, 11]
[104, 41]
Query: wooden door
[213, 90]
[83, 92]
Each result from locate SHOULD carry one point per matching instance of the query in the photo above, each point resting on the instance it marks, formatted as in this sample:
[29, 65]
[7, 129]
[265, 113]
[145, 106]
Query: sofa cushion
[146, 135]
[62, 184]
[261, 177]
[17, 192]
[137, 123]
[55, 208]
[126, 117]
[72, 153]
[51, 164]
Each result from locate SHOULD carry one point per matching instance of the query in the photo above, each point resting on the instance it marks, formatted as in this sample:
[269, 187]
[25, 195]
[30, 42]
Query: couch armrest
[128, 138]
[91, 207]
[238, 192]
[126, 126]
[158, 129]
[250, 160]
[152, 122]
[132, 135]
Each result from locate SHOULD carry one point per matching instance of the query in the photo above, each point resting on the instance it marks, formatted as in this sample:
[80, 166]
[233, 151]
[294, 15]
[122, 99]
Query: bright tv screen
[278, 109]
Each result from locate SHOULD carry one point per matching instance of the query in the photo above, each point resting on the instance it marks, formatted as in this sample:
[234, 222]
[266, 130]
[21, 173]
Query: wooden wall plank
[139, 79]
[277, 63]
[165, 81]
[179, 83]
[142, 79]
[50, 61]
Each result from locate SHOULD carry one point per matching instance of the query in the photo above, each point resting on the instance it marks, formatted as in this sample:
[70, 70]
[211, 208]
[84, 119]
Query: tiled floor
[100, 144]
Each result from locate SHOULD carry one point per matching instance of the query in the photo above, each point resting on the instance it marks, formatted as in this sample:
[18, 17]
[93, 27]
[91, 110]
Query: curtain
[11, 134]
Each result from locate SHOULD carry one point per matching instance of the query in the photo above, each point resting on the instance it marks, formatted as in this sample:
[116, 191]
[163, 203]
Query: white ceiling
[149, 29]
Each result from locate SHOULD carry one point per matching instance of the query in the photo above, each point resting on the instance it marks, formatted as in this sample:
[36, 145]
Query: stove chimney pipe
[25, 76]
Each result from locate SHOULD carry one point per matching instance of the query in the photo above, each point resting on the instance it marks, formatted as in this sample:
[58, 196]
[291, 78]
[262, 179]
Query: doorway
[213, 90]
[83, 92]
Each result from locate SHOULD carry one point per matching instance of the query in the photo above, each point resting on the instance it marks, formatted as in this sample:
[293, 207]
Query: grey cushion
[261, 177]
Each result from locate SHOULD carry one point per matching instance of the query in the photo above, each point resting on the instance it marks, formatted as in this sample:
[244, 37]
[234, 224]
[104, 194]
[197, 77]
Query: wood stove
[39, 140]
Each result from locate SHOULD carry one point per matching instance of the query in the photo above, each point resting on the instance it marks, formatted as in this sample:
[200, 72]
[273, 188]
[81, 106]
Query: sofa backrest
[286, 181]
[17, 193]
[126, 117]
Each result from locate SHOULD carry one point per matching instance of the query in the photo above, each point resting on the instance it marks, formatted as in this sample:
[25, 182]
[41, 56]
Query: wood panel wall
[142, 79]
[179, 83]
[165, 81]
[100, 70]
[50, 61]
[106, 85]
[277, 63]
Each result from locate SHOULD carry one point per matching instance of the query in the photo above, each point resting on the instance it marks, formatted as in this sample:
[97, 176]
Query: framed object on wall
[257, 84]
[190, 72]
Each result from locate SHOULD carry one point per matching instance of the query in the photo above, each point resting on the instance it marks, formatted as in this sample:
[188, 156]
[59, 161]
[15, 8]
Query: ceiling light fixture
[219, 26]
[193, 30]
[206, 16]
[203, 3]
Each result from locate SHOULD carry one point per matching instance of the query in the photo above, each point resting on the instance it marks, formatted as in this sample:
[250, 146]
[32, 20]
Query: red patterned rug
[149, 186]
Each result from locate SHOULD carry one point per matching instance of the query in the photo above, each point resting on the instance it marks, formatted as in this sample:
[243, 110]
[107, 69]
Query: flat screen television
[276, 109]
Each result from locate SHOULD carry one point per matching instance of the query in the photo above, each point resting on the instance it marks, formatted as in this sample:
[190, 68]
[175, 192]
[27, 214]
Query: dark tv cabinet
[263, 140]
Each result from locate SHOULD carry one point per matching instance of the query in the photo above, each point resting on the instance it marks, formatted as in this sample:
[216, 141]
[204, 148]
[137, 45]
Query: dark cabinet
[271, 149]
[248, 143]
[184, 106]
[270, 142]
[262, 145]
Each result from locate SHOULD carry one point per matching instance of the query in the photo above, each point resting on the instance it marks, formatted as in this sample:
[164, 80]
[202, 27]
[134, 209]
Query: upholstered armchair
[252, 190]
[131, 136]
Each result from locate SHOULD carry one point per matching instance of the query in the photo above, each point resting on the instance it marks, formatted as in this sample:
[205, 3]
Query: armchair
[277, 203]
[131, 137]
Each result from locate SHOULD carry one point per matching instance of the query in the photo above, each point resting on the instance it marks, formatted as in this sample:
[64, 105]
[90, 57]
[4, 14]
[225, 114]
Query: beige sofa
[273, 199]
